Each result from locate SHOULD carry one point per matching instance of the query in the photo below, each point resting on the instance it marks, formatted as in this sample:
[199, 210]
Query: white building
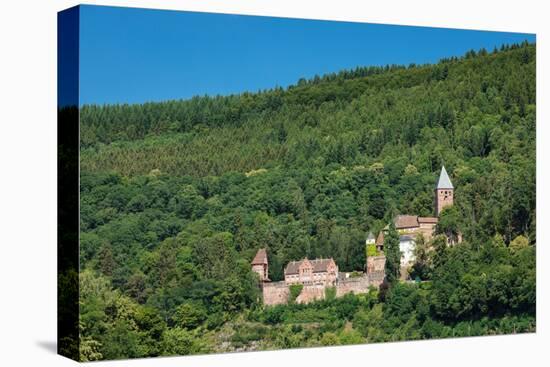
[406, 247]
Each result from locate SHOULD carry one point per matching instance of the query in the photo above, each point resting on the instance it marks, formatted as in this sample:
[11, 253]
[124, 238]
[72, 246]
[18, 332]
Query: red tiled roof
[406, 221]
[260, 258]
[427, 219]
[321, 265]
[292, 267]
[318, 265]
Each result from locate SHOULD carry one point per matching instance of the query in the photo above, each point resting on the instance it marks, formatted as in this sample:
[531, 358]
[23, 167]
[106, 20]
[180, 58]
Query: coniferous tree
[106, 261]
[393, 255]
[422, 263]
[177, 196]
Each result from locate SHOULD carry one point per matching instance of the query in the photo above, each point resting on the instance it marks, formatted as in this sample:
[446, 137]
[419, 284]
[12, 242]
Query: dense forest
[176, 198]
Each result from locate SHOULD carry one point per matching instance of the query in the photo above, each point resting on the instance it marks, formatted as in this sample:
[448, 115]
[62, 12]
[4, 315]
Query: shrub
[371, 250]
[330, 293]
[351, 337]
[295, 290]
[329, 339]
[518, 243]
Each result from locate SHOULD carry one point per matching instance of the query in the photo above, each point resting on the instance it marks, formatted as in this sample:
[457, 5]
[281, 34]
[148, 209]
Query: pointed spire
[444, 180]
[260, 258]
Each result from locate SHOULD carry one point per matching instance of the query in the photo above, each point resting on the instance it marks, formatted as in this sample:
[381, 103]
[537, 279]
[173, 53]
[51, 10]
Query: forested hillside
[177, 196]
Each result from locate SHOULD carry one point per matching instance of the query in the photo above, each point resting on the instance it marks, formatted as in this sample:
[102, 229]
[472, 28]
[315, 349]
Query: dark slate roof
[444, 180]
[406, 221]
[406, 237]
[260, 258]
[318, 265]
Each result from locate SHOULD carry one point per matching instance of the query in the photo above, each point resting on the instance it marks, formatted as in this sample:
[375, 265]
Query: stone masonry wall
[377, 278]
[311, 293]
[353, 285]
[275, 293]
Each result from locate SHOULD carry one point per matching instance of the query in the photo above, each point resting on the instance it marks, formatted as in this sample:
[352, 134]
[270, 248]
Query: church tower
[444, 192]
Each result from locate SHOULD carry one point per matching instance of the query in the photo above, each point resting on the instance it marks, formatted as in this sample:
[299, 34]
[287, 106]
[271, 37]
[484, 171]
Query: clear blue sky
[130, 55]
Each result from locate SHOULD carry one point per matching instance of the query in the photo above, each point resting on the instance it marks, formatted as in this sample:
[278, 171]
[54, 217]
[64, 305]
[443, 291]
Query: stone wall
[311, 293]
[355, 285]
[376, 264]
[376, 278]
[443, 198]
[427, 230]
[275, 293]
[376, 270]
[261, 270]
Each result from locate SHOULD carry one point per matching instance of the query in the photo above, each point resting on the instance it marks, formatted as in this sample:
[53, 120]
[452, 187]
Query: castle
[317, 275]
[410, 226]
[318, 271]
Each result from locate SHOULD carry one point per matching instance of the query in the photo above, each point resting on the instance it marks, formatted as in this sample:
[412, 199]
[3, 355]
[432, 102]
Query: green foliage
[519, 243]
[371, 250]
[294, 292]
[449, 223]
[348, 337]
[176, 197]
[329, 339]
[179, 341]
[422, 266]
[89, 350]
[393, 255]
[247, 333]
[441, 251]
[330, 293]
[190, 315]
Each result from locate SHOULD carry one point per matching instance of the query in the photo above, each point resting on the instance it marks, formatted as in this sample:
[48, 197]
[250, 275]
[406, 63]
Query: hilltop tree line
[176, 198]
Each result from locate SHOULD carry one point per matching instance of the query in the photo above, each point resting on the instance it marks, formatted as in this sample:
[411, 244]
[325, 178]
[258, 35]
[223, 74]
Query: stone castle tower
[260, 265]
[444, 192]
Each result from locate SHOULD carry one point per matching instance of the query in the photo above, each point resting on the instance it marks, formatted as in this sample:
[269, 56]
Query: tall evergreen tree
[177, 196]
[393, 255]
